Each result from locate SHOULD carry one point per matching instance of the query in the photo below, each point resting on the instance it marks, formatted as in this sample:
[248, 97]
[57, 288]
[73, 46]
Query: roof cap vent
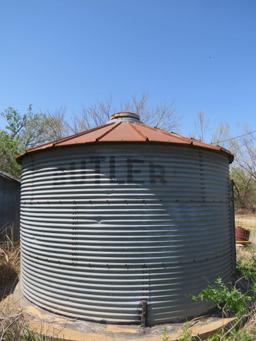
[125, 116]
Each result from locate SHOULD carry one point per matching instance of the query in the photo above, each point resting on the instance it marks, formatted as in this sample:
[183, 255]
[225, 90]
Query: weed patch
[230, 301]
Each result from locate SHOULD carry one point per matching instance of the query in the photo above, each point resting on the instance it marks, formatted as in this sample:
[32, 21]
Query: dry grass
[10, 316]
[245, 255]
[247, 221]
[9, 267]
[13, 326]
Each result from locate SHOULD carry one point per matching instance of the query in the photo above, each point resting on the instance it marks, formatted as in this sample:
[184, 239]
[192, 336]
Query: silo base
[45, 323]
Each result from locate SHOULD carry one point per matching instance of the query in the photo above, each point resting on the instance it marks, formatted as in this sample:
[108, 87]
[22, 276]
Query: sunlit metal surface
[106, 227]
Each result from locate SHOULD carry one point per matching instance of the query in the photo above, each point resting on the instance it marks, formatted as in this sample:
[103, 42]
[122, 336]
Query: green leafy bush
[247, 270]
[230, 301]
[235, 335]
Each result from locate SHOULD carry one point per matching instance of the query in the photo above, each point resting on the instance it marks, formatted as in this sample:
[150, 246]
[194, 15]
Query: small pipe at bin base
[143, 313]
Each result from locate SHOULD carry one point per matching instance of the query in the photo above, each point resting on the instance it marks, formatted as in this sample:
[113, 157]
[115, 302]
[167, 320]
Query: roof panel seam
[81, 133]
[182, 138]
[108, 131]
[139, 132]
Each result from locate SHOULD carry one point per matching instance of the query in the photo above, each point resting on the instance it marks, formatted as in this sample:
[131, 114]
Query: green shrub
[247, 269]
[234, 335]
[230, 301]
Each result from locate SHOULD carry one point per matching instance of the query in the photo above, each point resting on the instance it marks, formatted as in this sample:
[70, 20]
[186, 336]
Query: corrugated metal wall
[9, 207]
[106, 227]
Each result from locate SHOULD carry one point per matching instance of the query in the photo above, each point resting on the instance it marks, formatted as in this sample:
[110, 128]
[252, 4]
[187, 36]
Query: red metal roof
[121, 130]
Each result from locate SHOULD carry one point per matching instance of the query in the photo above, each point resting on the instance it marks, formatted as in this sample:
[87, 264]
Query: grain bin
[9, 207]
[124, 222]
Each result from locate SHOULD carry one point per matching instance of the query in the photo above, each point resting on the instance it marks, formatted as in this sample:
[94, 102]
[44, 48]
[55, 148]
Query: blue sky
[199, 54]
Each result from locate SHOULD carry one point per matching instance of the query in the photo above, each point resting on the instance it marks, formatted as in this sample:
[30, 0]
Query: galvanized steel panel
[9, 207]
[106, 227]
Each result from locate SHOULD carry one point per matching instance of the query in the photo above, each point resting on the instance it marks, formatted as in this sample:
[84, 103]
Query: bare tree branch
[160, 116]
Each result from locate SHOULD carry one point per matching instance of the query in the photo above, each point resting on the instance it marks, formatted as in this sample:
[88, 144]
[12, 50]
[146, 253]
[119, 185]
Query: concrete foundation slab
[46, 323]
